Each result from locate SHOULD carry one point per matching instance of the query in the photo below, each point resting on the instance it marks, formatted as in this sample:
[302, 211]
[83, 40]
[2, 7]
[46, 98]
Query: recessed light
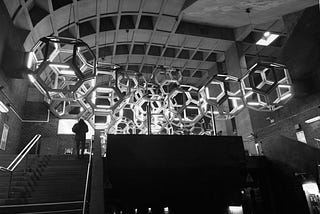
[267, 38]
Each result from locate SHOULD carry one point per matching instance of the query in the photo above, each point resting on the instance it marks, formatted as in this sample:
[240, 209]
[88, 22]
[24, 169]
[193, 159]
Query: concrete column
[97, 189]
[236, 66]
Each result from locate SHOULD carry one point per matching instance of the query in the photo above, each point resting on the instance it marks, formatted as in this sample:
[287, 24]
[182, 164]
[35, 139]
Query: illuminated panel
[65, 128]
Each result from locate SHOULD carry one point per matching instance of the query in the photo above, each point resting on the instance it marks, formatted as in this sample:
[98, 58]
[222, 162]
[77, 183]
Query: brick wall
[50, 142]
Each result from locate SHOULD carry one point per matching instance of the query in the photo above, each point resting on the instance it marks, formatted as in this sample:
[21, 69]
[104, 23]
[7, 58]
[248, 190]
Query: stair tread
[53, 178]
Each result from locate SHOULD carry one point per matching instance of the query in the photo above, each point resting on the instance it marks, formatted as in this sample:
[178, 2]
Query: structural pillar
[236, 66]
[97, 188]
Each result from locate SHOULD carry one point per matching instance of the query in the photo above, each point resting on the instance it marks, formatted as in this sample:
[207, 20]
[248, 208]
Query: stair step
[48, 179]
[52, 207]
[66, 192]
[64, 170]
[72, 211]
[57, 187]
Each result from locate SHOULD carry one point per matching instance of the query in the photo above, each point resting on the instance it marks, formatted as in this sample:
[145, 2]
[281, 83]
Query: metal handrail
[13, 165]
[24, 152]
[50, 204]
[41, 204]
[87, 181]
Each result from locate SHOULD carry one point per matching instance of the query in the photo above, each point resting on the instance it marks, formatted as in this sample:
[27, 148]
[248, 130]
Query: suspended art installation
[66, 72]
[266, 86]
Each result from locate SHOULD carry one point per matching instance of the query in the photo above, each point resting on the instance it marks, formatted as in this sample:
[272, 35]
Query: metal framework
[124, 102]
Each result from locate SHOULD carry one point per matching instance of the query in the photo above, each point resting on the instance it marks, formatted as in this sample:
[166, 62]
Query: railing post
[213, 121]
[97, 191]
[149, 117]
[9, 188]
[26, 167]
[38, 147]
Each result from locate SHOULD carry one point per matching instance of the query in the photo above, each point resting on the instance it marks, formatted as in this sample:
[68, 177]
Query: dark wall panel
[175, 170]
[14, 89]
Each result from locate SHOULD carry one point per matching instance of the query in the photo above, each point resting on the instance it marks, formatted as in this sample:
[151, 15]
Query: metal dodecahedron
[60, 66]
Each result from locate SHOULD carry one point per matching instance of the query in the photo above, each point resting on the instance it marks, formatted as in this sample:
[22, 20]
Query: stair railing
[13, 165]
[87, 181]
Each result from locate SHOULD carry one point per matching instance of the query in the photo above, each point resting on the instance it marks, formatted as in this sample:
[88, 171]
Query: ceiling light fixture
[235, 209]
[67, 72]
[311, 120]
[29, 60]
[31, 78]
[267, 38]
[3, 108]
[286, 96]
[311, 188]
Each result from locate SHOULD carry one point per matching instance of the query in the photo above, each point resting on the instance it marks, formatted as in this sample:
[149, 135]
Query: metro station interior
[193, 106]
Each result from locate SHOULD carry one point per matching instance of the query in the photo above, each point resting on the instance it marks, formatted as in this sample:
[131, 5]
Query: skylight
[267, 38]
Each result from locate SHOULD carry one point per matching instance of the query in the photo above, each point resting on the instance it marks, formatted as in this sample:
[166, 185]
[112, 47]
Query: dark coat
[80, 129]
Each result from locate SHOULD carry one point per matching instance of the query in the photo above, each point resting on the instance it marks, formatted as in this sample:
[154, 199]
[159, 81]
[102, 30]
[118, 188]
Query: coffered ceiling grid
[97, 39]
[148, 45]
[53, 24]
[115, 39]
[140, 34]
[142, 3]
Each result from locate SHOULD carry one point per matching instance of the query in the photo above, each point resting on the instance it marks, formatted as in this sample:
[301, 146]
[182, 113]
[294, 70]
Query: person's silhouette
[80, 129]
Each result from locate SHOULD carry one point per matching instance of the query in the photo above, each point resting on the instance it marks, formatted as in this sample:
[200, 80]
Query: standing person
[80, 129]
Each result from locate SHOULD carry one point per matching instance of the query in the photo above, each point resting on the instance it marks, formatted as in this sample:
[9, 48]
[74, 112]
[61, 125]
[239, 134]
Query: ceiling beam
[115, 39]
[148, 45]
[28, 18]
[194, 53]
[98, 14]
[53, 23]
[203, 61]
[176, 24]
[142, 2]
[75, 10]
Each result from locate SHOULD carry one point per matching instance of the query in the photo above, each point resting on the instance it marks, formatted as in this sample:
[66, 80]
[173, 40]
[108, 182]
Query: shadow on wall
[302, 52]
[295, 154]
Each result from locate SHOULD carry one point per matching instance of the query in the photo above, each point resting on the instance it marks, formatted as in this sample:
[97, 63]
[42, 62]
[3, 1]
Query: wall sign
[4, 136]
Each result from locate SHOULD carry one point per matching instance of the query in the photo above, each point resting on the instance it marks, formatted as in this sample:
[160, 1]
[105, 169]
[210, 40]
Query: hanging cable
[69, 20]
[248, 11]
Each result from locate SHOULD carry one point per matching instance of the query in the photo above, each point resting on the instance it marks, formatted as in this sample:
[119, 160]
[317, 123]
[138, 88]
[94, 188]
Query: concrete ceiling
[141, 35]
[232, 13]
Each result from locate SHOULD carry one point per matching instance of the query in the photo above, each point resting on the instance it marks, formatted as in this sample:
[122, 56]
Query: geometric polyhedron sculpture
[60, 66]
[266, 86]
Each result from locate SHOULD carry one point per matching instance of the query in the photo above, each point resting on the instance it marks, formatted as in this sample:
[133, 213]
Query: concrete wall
[15, 89]
[24, 97]
[297, 111]
[295, 155]
[301, 55]
[236, 66]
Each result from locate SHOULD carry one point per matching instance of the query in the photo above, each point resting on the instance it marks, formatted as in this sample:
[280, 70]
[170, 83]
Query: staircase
[43, 184]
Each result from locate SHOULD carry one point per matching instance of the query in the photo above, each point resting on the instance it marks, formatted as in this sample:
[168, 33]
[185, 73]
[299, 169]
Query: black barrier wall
[181, 172]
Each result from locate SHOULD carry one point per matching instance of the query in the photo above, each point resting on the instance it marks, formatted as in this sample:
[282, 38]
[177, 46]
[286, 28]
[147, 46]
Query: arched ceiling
[143, 34]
